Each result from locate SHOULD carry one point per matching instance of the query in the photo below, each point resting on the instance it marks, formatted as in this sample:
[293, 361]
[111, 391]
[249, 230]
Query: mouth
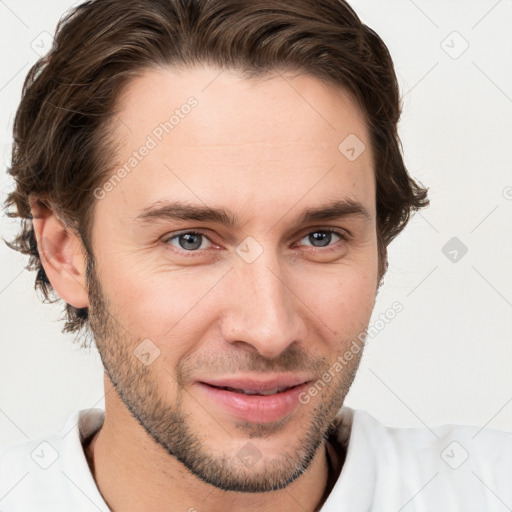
[252, 385]
[266, 392]
[255, 400]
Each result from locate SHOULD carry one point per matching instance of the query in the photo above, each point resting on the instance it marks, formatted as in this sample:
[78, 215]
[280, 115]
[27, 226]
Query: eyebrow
[177, 210]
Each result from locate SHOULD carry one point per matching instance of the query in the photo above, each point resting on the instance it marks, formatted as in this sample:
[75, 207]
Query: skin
[266, 151]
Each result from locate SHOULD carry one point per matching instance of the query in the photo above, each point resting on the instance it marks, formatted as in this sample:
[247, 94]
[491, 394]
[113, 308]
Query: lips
[253, 386]
[254, 400]
[266, 392]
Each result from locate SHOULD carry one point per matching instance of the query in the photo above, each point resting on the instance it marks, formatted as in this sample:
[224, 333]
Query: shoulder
[50, 472]
[450, 444]
[461, 465]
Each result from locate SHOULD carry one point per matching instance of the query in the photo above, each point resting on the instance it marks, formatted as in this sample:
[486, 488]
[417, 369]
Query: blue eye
[189, 241]
[325, 237]
[192, 241]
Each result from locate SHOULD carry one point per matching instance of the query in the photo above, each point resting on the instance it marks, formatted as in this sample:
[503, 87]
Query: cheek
[342, 298]
[168, 307]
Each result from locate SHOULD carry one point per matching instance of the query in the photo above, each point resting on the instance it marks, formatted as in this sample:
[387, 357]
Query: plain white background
[446, 357]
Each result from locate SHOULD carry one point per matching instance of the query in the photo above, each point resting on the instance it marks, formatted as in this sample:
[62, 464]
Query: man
[210, 187]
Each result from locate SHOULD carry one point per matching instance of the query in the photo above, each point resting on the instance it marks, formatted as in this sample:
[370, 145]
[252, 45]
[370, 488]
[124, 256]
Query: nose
[263, 310]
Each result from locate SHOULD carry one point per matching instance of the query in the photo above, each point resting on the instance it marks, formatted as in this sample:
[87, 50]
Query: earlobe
[62, 255]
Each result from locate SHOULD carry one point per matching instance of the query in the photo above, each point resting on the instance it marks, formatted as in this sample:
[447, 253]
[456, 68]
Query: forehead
[203, 134]
[299, 103]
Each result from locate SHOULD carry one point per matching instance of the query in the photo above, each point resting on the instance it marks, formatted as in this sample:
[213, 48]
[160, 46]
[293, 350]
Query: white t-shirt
[448, 468]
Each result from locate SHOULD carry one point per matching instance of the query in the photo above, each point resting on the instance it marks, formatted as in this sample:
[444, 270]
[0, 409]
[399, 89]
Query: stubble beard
[172, 429]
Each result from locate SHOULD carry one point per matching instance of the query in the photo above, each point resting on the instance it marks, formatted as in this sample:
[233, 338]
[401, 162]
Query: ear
[62, 255]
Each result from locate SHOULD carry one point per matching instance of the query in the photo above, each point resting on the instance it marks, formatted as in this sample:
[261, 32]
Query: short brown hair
[62, 139]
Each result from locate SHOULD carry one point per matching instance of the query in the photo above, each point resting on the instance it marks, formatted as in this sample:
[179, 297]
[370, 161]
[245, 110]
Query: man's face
[175, 314]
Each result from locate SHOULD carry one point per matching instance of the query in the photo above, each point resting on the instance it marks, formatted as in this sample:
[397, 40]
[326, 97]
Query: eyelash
[191, 254]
